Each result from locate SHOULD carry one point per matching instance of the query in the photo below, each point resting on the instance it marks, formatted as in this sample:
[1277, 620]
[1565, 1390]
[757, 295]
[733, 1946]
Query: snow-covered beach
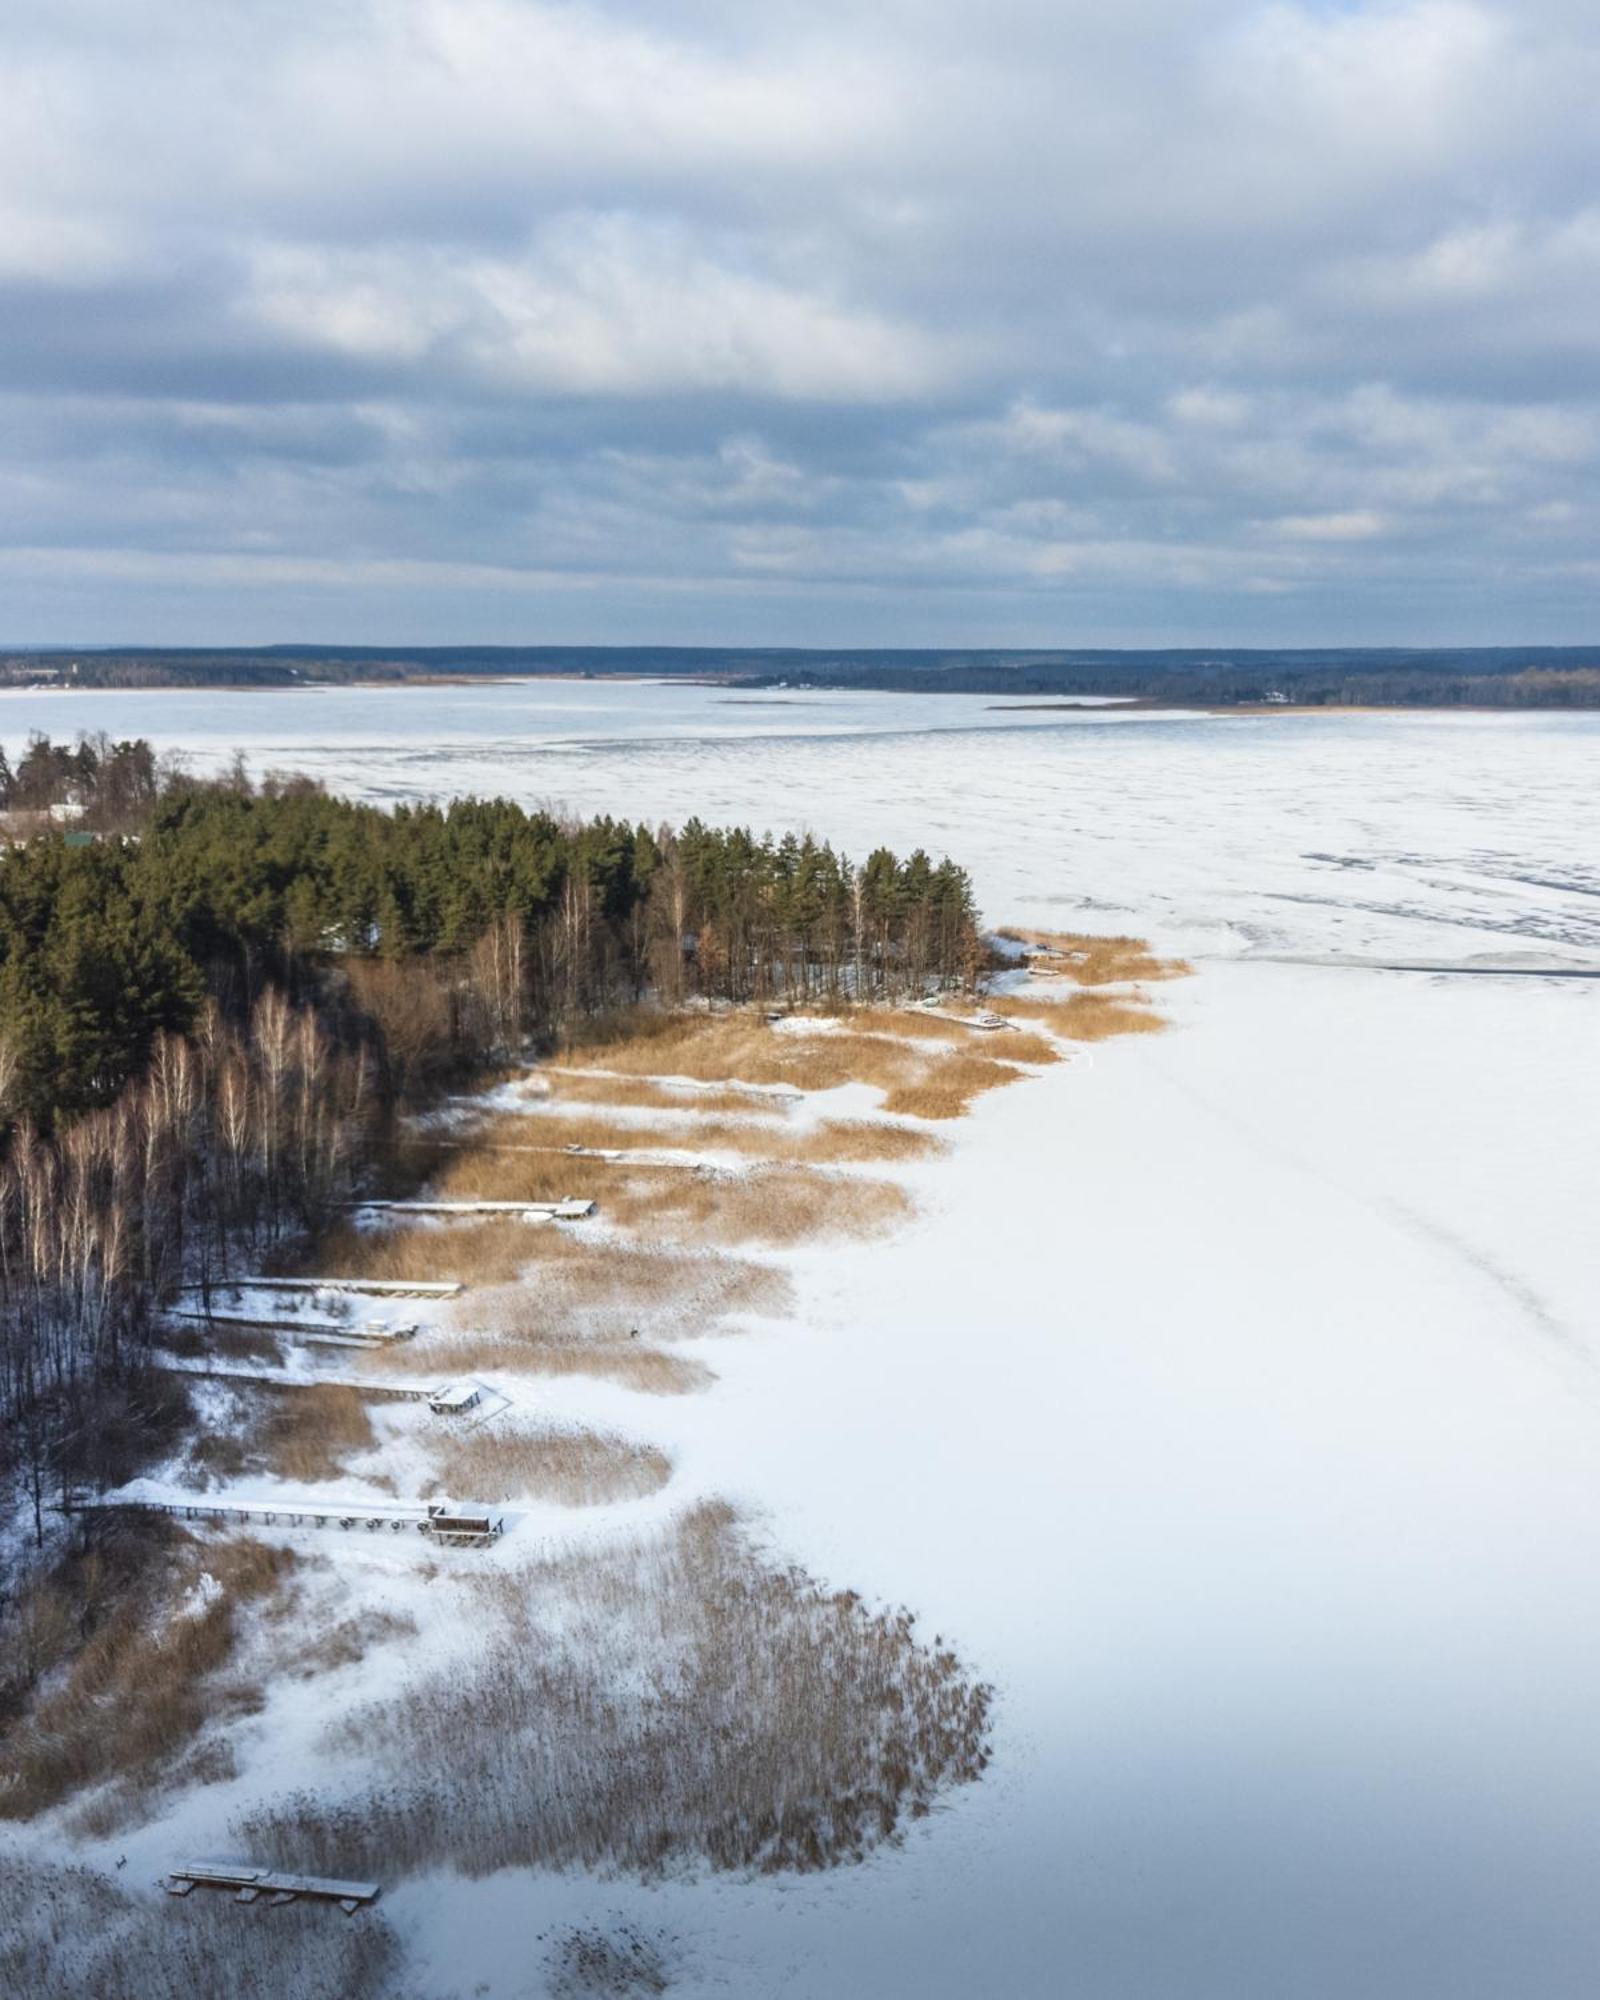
[1233, 1401]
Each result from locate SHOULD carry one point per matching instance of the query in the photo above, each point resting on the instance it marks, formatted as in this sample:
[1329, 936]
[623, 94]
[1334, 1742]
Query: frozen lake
[1436, 835]
[1234, 1403]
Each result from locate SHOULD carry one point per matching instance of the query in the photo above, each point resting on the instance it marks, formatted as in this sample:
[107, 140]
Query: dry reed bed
[1084, 1017]
[586, 1314]
[925, 1067]
[301, 1433]
[835, 1141]
[570, 1468]
[69, 1933]
[646, 1093]
[630, 1364]
[774, 1205]
[1089, 960]
[575, 1289]
[120, 1705]
[657, 1704]
[494, 1251]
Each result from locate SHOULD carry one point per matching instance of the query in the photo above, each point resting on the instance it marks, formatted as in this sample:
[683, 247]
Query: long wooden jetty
[267, 1378]
[315, 1332]
[460, 1523]
[249, 1885]
[383, 1288]
[569, 1210]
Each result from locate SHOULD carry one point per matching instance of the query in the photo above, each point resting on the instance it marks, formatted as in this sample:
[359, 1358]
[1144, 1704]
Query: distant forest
[213, 993]
[1494, 677]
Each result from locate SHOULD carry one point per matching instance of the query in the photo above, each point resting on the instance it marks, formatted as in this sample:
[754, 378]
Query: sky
[1040, 322]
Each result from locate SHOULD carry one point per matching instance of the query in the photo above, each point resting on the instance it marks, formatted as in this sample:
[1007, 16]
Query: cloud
[594, 306]
[1353, 527]
[894, 320]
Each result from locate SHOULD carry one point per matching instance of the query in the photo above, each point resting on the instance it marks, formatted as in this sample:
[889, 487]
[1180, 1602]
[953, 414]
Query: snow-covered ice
[1233, 1403]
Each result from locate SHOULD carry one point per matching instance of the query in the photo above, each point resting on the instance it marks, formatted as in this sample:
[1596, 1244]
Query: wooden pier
[250, 1885]
[458, 1523]
[383, 1288]
[315, 1332]
[267, 1378]
[569, 1210]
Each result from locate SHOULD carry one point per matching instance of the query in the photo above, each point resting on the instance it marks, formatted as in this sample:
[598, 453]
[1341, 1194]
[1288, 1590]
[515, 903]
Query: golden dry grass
[570, 1468]
[475, 1175]
[309, 1434]
[704, 1286]
[123, 1702]
[630, 1364]
[947, 1091]
[303, 1433]
[861, 1141]
[602, 1316]
[1102, 961]
[773, 1206]
[909, 1021]
[1084, 1017]
[487, 1252]
[777, 1204]
[926, 1068]
[646, 1094]
[727, 1048]
[1019, 1045]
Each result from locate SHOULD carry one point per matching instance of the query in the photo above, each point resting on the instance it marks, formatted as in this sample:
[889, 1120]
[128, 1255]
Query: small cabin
[458, 1397]
[471, 1527]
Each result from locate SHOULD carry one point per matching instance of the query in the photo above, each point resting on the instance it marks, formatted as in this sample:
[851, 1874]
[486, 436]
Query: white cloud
[1352, 527]
[1250, 295]
[596, 306]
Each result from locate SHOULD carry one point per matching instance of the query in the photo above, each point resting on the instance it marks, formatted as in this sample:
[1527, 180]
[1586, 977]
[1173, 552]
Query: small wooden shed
[452, 1401]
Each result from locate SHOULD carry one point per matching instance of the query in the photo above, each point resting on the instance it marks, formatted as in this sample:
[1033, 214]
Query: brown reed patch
[72, 1933]
[852, 1141]
[773, 1206]
[312, 1433]
[651, 1371]
[910, 1021]
[490, 1251]
[507, 1162]
[693, 1289]
[726, 1048]
[948, 1090]
[604, 1316]
[299, 1432]
[126, 1650]
[1090, 960]
[1085, 1017]
[766, 1204]
[663, 1701]
[646, 1094]
[1019, 1045]
[570, 1468]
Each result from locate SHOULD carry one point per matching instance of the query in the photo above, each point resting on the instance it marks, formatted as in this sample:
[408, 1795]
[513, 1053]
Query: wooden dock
[382, 1288]
[267, 1378]
[569, 1210]
[316, 1332]
[458, 1523]
[249, 1885]
[985, 1021]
